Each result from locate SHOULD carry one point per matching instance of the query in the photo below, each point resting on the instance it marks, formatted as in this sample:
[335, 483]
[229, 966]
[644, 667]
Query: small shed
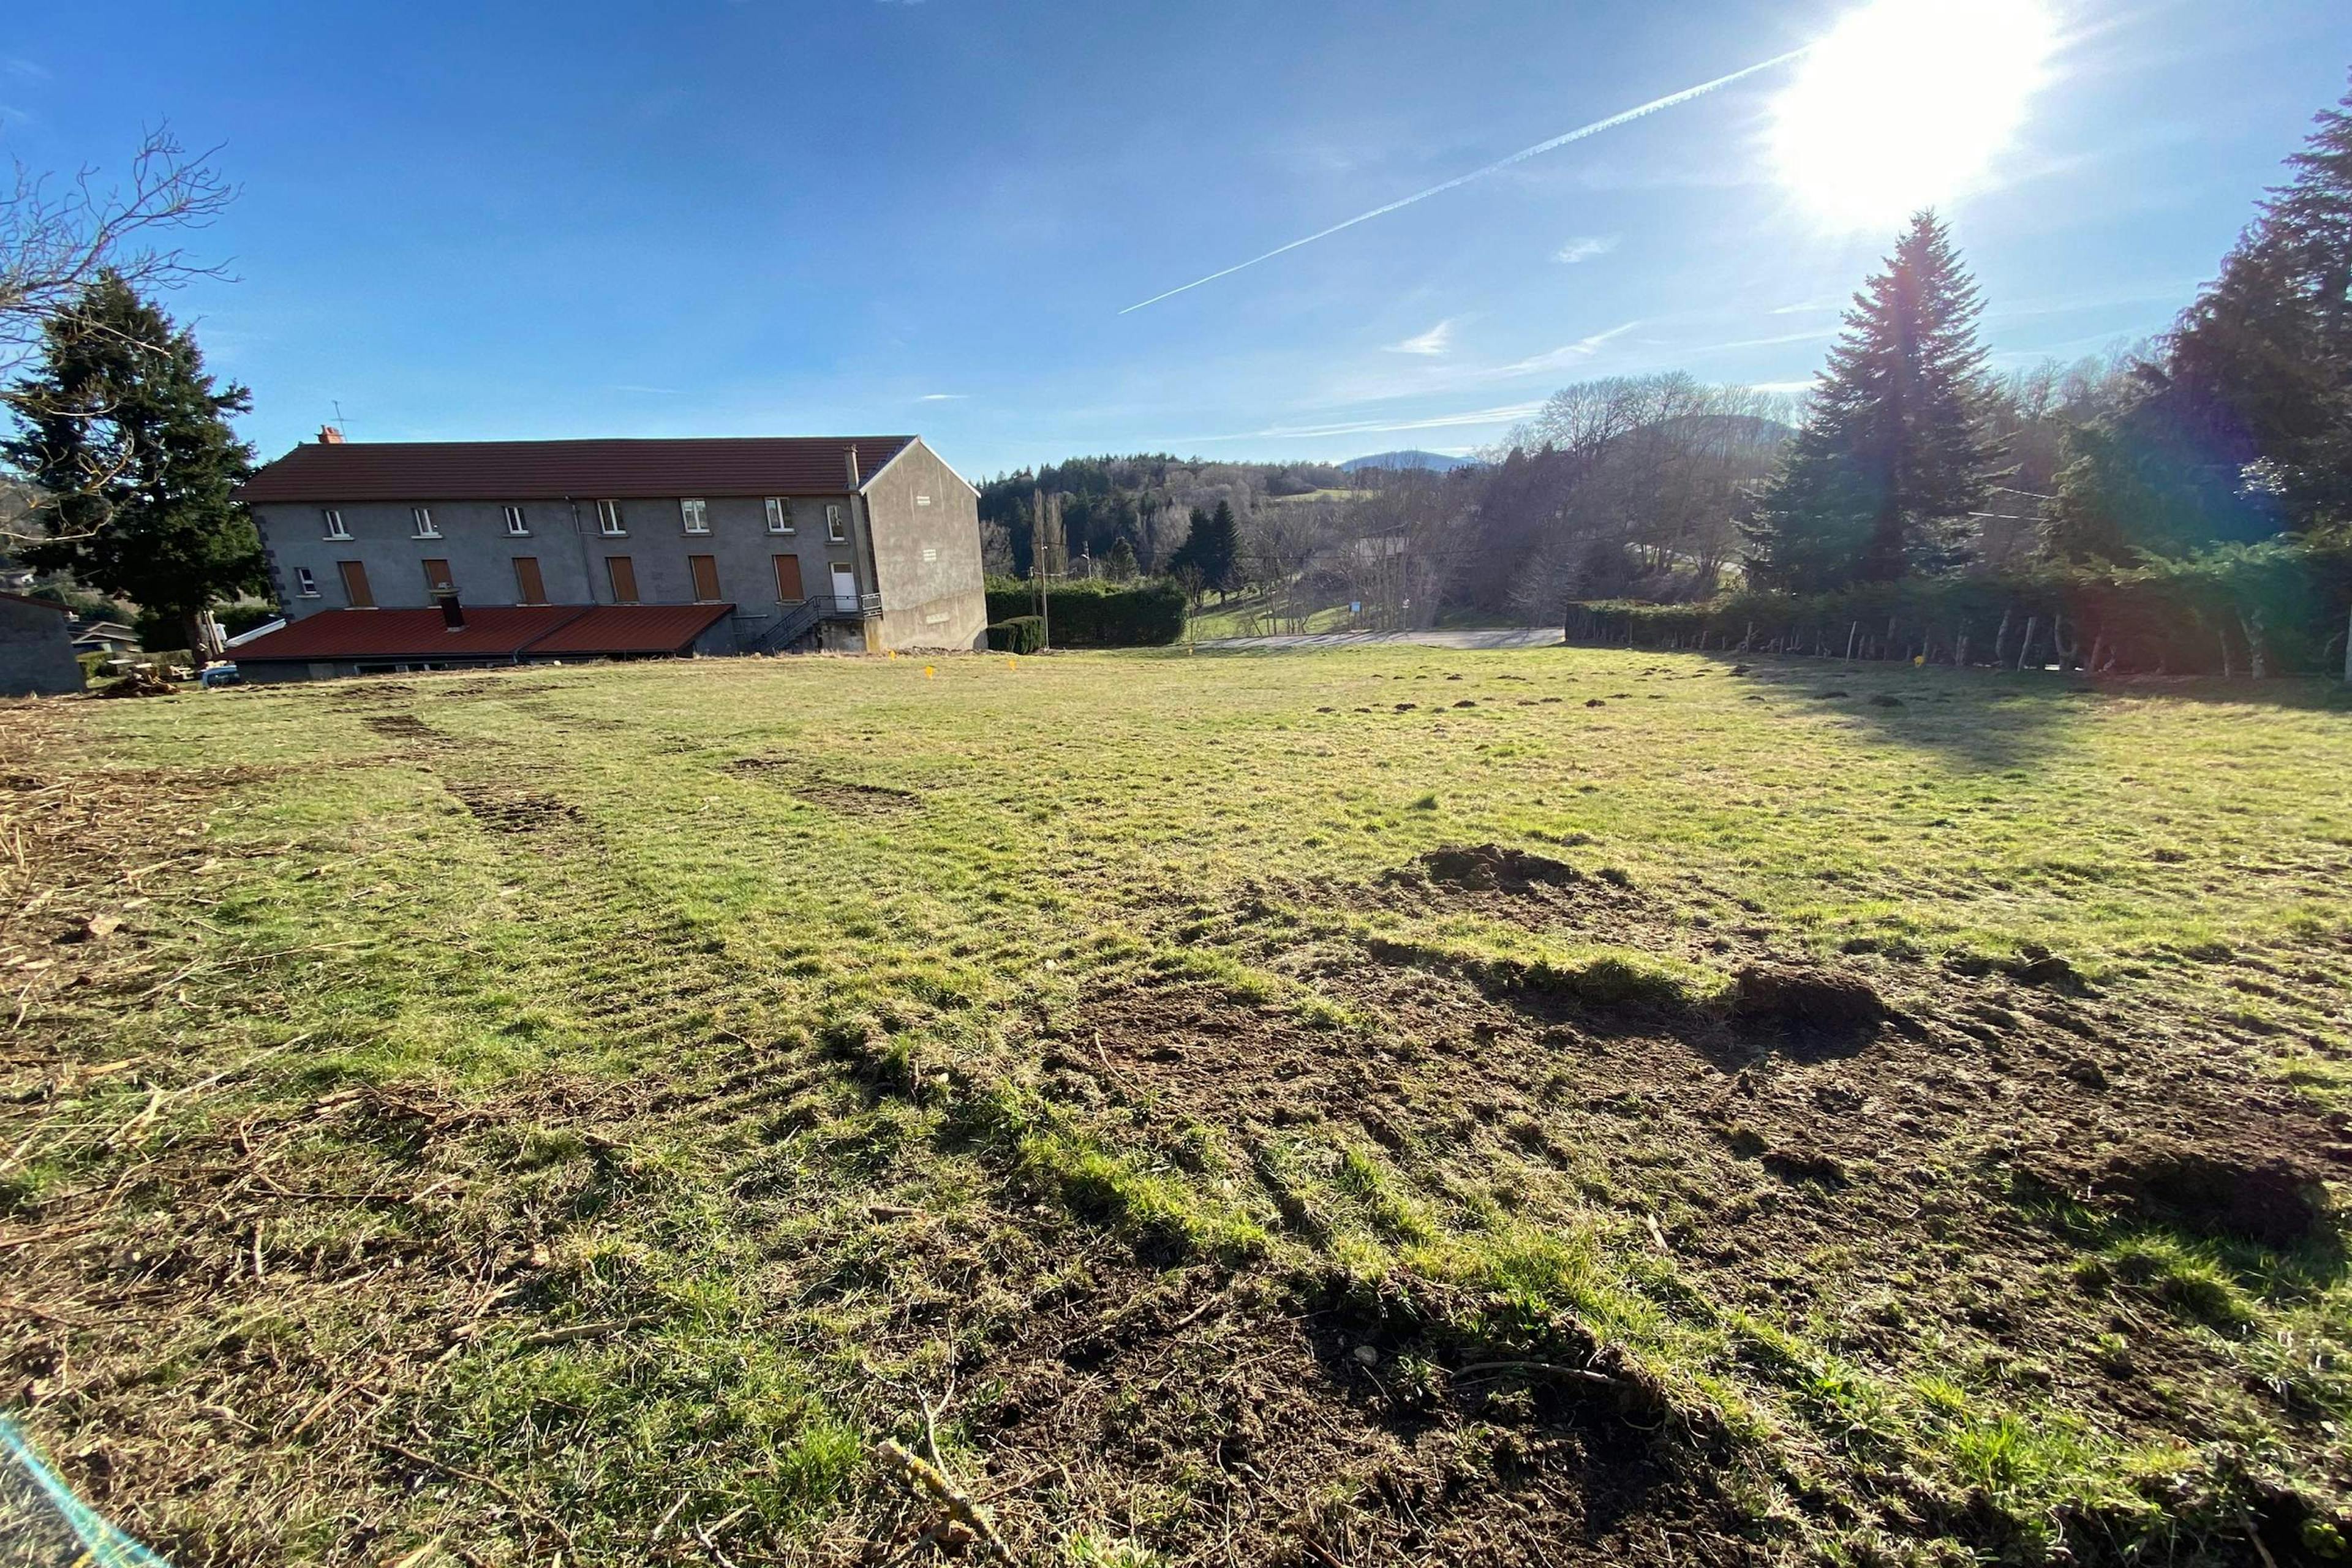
[111, 639]
[37, 656]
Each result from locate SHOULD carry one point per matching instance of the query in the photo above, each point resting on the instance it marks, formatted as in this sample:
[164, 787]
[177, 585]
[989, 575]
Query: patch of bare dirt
[402, 727]
[504, 809]
[846, 797]
[1331, 1429]
[1870, 1144]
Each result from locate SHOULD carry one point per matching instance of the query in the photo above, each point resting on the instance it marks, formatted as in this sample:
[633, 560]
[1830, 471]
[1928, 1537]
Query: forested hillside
[1144, 502]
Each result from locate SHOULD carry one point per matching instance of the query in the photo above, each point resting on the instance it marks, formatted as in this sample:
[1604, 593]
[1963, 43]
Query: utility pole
[1045, 529]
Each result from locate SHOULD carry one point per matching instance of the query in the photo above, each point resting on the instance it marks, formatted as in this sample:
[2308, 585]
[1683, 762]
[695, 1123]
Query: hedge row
[1021, 633]
[1147, 614]
[2267, 609]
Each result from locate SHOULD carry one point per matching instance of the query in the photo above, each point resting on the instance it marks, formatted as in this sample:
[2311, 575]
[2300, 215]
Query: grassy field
[1255, 614]
[1392, 1105]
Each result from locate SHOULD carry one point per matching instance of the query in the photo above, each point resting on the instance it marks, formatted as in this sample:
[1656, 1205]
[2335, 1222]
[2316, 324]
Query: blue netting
[44, 1525]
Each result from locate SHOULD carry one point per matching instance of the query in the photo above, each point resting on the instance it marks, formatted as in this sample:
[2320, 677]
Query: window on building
[530, 588]
[356, 593]
[305, 584]
[425, 528]
[620, 574]
[334, 522]
[780, 515]
[789, 590]
[835, 528]
[929, 554]
[608, 517]
[705, 572]
[436, 576]
[697, 516]
[516, 523]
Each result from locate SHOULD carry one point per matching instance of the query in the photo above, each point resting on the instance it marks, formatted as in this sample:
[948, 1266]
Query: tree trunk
[2257, 658]
[1853, 632]
[192, 628]
[2348, 650]
[2031, 622]
[2000, 641]
[1961, 652]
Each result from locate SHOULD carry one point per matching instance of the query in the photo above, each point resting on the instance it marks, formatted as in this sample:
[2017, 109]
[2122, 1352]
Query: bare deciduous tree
[56, 236]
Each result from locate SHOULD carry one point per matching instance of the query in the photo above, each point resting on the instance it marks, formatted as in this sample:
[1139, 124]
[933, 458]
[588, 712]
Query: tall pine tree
[1211, 554]
[127, 437]
[2246, 425]
[1894, 455]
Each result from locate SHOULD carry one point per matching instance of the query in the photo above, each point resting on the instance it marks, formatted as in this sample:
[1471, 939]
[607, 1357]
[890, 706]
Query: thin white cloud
[1584, 247]
[1435, 341]
[1820, 334]
[1560, 358]
[650, 391]
[1510, 414]
[29, 70]
[943, 397]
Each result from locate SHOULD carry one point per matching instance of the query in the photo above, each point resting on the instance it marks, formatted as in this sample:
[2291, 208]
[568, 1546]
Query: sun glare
[1906, 103]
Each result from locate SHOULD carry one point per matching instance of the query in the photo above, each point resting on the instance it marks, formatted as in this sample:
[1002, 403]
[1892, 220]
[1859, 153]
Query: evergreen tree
[2247, 418]
[1192, 559]
[1119, 565]
[127, 436]
[1894, 455]
[1221, 556]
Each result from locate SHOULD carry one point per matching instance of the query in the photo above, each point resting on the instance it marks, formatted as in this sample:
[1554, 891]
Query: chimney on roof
[330, 436]
[453, 614]
[854, 480]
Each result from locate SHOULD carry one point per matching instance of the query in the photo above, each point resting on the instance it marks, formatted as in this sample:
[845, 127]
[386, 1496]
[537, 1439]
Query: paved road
[1482, 636]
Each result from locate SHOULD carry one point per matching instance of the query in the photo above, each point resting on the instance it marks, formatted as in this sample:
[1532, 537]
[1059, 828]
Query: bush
[1148, 614]
[1021, 633]
[2278, 606]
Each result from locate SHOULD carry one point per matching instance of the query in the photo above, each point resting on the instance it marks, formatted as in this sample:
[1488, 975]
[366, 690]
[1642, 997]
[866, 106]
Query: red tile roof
[631, 628]
[494, 632]
[556, 470]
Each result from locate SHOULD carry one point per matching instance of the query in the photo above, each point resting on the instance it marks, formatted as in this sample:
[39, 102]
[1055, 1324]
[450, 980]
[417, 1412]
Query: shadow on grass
[1996, 719]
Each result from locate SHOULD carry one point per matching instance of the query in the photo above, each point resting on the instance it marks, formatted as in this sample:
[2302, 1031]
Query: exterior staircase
[799, 622]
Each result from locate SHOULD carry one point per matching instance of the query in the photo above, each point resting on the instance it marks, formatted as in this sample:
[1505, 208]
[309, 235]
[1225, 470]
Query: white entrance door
[845, 585]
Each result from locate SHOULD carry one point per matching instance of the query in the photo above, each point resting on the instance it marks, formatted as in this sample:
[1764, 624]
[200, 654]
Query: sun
[1906, 103]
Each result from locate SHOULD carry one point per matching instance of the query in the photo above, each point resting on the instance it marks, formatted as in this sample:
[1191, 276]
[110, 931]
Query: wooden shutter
[436, 576]
[788, 580]
[706, 577]
[622, 574]
[529, 588]
[355, 585]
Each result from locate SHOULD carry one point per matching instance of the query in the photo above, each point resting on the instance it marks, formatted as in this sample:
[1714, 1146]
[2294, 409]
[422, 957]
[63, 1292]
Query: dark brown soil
[400, 727]
[502, 808]
[1888, 1131]
[1301, 1434]
[843, 795]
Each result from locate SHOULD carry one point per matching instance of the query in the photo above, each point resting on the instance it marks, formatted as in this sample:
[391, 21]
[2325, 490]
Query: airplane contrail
[1522, 156]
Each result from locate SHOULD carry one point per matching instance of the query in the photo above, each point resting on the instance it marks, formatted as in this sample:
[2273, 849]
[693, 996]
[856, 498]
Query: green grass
[801, 1087]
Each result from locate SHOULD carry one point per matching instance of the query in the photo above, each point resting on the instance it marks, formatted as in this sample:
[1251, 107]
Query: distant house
[37, 656]
[111, 639]
[439, 554]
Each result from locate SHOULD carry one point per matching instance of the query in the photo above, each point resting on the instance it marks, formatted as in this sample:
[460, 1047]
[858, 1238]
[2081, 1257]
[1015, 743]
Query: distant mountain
[1436, 462]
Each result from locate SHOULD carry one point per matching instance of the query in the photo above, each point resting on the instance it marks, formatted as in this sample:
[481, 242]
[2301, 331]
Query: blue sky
[471, 221]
